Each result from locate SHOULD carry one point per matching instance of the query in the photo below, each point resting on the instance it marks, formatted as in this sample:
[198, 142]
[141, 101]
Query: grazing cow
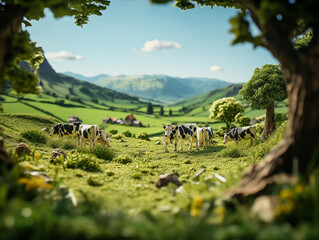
[66, 129]
[178, 133]
[88, 133]
[103, 137]
[209, 135]
[237, 134]
[200, 134]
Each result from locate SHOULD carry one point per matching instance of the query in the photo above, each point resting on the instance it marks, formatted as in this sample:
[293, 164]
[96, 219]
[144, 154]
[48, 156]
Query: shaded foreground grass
[119, 199]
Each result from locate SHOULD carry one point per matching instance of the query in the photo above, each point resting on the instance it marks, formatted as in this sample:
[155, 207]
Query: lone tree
[281, 23]
[161, 113]
[15, 44]
[264, 88]
[149, 109]
[225, 109]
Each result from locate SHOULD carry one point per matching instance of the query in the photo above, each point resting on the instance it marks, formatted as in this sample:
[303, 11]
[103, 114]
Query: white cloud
[63, 56]
[215, 68]
[154, 45]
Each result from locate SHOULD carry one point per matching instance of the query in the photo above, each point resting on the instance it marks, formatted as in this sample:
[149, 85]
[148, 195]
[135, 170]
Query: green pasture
[111, 193]
[93, 113]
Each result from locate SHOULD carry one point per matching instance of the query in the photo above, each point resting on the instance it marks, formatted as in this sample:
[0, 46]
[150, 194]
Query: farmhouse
[129, 120]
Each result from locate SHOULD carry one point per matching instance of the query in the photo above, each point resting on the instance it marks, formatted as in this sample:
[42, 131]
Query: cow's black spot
[85, 134]
[242, 134]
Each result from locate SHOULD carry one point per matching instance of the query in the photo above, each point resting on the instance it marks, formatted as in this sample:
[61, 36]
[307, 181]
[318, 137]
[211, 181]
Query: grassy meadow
[111, 192]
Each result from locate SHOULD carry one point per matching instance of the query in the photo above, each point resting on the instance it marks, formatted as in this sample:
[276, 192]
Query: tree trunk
[299, 150]
[11, 19]
[270, 120]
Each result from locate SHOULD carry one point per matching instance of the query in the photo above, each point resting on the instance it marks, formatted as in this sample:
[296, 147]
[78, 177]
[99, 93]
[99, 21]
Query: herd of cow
[173, 133]
[86, 133]
[202, 135]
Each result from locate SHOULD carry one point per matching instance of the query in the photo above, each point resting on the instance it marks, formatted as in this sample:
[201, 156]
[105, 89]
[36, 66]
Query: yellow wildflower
[196, 206]
[69, 154]
[148, 153]
[37, 155]
[299, 188]
[34, 183]
[219, 213]
[285, 207]
[286, 193]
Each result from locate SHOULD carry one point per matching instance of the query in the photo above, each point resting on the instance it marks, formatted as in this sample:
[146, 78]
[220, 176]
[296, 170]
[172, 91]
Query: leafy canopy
[225, 109]
[18, 44]
[265, 86]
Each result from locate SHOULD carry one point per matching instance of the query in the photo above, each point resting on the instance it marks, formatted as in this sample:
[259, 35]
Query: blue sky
[136, 37]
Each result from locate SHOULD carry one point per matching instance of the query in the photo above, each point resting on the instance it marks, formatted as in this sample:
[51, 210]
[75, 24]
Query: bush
[118, 136]
[55, 143]
[220, 132]
[69, 144]
[103, 152]
[94, 181]
[260, 127]
[280, 118]
[113, 131]
[34, 135]
[83, 161]
[59, 102]
[232, 152]
[124, 159]
[241, 120]
[127, 133]
[143, 136]
[136, 175]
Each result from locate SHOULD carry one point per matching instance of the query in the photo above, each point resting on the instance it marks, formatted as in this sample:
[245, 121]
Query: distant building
[137, 123]
[107, 120]
[74, 119]
[131, 120]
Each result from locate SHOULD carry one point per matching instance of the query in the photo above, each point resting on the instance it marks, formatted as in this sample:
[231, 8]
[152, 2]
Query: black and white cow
[103, 137]
[178, 133]
[88, 133]
[241, 133]
[66, 129]
[209, 136]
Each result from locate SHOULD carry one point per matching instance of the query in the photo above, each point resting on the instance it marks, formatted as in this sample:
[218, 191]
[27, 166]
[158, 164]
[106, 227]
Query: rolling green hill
[62, 86]
[161, 88]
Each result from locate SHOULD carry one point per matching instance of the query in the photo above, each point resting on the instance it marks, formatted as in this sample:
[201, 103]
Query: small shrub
[260, 127]
[69, 144]
[241, 120]
[34, 135]
[83, 161]
[280, 118]
[118, 136]
[232, 152]
[221, 131]
[113, 131]
[124, 159]
[127, 133]
[143, 136]
[109, 173]
[103, 152]
[94, 181]
[136, 175]
[54, 143]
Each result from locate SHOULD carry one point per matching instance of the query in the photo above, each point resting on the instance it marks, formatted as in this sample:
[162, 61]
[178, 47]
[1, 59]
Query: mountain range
[160, 88]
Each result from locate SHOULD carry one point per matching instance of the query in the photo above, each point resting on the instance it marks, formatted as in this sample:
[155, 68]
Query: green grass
[116, 196]
[147, 160]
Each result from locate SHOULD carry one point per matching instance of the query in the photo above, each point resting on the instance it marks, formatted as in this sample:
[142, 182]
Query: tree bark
[270, 120]
[299, 150]
[11, 19]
